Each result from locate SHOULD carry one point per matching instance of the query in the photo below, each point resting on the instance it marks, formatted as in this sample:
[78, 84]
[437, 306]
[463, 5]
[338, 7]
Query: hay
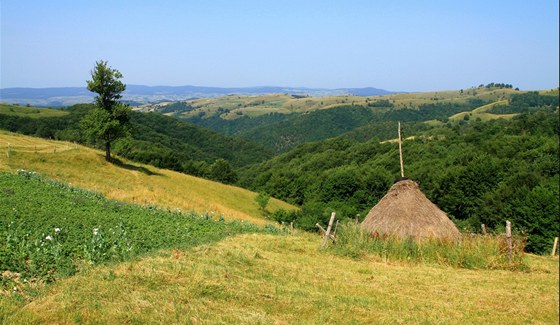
[405, 212]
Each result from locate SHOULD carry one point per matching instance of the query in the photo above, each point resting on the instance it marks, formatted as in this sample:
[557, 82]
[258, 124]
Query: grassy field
[271, 279]
[251, 106]
[32, 112]
[128, 181]
[482, 112]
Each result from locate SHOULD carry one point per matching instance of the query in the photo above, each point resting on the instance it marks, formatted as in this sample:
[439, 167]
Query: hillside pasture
[482, 112]
[29, 111]
[234, 106]
[128, 181]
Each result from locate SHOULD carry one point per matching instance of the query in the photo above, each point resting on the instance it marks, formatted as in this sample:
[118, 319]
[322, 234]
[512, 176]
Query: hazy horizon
[405, 46]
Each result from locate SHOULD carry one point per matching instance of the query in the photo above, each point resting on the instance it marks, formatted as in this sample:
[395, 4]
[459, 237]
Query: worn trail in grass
[285, 280]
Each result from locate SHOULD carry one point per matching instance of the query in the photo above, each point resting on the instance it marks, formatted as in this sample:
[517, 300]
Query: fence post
[509, 240]
[554, 246]
[483, 229]
[326, 237]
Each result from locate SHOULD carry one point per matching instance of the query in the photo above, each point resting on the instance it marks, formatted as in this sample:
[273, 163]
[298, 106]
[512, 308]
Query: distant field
[481, 112]
[129, 182]
[265, 279]
[233, 106]
[32, 112]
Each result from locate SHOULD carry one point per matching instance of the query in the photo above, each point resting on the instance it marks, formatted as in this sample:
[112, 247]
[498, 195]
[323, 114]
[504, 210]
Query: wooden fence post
[292, 227]
[554, 246]
[326, 237]
[509, 240]
[357, 218]
[483, 229]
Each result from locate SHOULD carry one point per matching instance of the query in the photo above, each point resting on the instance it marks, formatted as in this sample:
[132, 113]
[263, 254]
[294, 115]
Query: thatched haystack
[405, 212]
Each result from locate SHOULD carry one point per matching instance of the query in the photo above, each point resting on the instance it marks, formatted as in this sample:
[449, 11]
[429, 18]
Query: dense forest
[282, 132]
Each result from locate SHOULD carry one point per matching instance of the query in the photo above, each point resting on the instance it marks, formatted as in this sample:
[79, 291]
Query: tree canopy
[109, 119]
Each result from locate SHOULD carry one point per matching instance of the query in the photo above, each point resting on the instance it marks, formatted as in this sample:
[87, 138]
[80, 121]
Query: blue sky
[394, 45]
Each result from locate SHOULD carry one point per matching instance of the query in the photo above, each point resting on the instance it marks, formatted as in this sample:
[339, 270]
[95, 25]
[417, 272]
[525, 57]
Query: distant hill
[139, 94]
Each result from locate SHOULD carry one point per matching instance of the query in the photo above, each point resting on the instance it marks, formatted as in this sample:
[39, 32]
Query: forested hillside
[282, 132]
[282, 123]
[478, 172]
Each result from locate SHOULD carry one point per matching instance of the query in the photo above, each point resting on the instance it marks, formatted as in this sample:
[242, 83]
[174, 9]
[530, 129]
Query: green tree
[222, 171]
[109, 120]
[262, 200]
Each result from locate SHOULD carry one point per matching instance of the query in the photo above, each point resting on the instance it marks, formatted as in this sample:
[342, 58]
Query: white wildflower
[48, 237]
[56, 229]
[95, 231]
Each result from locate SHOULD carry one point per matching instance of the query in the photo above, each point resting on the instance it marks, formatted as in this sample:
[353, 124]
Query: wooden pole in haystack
[554, 246]
[400, 151]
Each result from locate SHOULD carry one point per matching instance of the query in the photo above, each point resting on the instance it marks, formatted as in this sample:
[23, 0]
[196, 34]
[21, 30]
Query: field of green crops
[49, 230]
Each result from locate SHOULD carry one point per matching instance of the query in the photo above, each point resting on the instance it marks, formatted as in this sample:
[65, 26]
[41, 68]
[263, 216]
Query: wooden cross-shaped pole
[400, 151]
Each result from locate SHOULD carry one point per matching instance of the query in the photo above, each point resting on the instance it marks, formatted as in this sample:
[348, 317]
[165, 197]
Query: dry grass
[130, 182]
[262, 279]
[406, 212]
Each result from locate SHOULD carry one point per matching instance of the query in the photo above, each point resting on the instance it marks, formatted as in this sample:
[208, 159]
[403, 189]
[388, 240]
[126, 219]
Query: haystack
[405, 212]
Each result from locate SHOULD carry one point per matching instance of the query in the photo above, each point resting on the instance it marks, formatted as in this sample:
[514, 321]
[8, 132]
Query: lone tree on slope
[109, 120]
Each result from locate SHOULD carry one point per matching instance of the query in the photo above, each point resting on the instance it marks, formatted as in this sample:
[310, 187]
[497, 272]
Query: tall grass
[473, 251]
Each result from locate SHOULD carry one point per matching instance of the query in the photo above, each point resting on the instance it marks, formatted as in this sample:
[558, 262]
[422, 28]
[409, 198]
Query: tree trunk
[108, 151]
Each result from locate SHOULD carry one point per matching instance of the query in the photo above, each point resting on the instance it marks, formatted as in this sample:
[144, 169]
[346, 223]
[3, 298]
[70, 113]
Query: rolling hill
[128, 181]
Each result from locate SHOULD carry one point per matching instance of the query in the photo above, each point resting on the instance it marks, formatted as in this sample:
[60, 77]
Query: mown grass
[32, 112]
[264, 279]
[128, 181]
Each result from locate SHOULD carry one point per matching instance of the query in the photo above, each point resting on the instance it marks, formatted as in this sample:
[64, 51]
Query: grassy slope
[285, 280]
[32, 112]
[285, 104]
[482, 112]
[130, 182]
